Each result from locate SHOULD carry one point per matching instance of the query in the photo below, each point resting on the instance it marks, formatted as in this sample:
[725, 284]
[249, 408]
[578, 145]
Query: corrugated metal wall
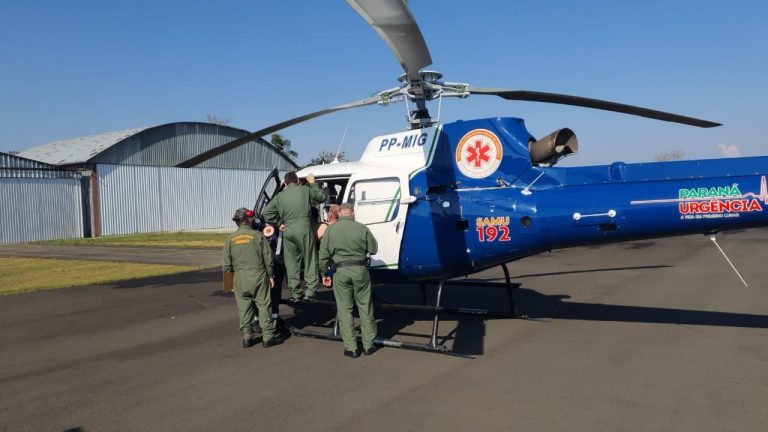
[138, 199]
[40, 209]
[38, 201]
[17, 167]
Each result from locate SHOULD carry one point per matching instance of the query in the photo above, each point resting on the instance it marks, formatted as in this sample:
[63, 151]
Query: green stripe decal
[431, 152]
[395, 200]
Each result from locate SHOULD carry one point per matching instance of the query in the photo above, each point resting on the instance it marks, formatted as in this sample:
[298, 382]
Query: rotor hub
[424, 75]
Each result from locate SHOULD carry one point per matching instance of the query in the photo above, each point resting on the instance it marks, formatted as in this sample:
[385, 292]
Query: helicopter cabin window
[376, 201]
[334, 189]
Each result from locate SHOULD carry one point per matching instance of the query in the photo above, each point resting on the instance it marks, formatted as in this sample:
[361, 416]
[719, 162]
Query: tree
[670, 156]
[283, 144]
[212, 118]
[325, 157]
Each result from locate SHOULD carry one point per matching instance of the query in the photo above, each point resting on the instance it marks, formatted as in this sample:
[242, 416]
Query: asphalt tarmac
[644, 336]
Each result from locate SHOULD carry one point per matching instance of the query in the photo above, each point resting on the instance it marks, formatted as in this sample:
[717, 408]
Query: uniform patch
[479, 153]
[242, 239]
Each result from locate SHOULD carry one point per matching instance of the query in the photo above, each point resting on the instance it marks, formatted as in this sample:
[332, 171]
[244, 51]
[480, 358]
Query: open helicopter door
[271, 187]
[379, 205]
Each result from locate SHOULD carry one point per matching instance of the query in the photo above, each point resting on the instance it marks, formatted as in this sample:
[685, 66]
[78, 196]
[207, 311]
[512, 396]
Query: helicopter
[452, 199]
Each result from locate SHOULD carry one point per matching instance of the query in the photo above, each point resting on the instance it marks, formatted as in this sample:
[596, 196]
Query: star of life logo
[478, 154]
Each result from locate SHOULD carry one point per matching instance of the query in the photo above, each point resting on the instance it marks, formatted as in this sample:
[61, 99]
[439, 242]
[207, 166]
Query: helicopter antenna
[338, 151]
[714, 240]
[527, 190]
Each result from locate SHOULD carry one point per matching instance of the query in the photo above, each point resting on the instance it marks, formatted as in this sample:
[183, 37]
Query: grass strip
[176, 239]
[19, 275]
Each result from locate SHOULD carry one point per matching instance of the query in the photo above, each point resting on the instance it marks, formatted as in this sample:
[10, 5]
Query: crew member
[275, 240]
[293, 207]
[333, 216]
[347, 244]
[247, 254]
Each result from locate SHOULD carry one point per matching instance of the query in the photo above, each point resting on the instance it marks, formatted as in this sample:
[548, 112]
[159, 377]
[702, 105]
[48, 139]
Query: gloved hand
[310, 178]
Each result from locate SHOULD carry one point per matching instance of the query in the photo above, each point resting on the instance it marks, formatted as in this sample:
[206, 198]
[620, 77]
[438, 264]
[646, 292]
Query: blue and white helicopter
[451, 199]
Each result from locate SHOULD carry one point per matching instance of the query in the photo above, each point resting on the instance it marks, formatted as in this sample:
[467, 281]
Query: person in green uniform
[247, 254]
[293, 207]
[345, 246]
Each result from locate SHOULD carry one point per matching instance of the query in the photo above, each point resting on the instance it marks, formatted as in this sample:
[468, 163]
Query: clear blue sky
[76, 67]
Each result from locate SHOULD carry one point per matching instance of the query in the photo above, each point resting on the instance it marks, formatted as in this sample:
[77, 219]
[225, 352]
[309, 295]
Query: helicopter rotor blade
[270, 129]
[533, 96]
[394, 22]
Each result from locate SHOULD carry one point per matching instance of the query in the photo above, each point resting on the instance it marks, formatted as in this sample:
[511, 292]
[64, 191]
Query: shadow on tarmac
[466, 336]
[598, 270]
[190, 277]
[465, 333]
[538, 305]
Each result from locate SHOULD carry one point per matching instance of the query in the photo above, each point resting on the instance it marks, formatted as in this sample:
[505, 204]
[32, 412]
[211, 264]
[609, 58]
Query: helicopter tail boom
[629, 210]
[550, 208]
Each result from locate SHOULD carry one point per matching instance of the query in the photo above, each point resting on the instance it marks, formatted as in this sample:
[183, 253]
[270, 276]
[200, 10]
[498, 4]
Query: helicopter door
[271, 187]
[378, 205]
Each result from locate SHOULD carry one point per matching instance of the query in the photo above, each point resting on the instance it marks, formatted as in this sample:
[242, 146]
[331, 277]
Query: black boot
[249, 340]
[276, 340]
[353, 354]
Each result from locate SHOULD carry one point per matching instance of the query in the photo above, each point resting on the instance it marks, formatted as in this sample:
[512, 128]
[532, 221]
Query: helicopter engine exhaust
[553, 147]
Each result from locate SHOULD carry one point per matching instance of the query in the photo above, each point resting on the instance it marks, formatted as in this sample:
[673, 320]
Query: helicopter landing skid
[433, 346]
[335, 336]
[510, 287]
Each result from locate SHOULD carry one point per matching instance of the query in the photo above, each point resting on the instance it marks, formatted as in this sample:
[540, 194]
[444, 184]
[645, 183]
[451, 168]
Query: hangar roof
[78, 150]
[162, 145]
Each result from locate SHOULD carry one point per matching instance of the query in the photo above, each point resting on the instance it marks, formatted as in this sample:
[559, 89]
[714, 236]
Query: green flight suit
[349, 241]
[247, 253]
[292, 207]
